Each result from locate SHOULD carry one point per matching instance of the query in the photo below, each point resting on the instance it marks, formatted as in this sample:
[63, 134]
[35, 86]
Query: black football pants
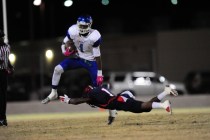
[3, 93]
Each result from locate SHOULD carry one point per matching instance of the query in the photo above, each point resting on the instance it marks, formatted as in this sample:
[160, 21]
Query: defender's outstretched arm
[74, 101]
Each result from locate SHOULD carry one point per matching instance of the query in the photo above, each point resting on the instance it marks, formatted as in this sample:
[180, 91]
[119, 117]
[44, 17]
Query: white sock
[161, 95]
[55, 81]
[53, 94]
[112, 113]
[156, 105]
[57, 74]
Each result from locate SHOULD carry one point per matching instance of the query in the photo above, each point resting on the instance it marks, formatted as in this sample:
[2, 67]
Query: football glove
[68, 52]
[64, 99]
[99, 80]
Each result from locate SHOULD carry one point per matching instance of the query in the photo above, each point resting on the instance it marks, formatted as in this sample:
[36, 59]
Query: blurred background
[168, 37]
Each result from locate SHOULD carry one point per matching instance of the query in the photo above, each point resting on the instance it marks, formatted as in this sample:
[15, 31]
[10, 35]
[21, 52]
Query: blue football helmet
[84, 24]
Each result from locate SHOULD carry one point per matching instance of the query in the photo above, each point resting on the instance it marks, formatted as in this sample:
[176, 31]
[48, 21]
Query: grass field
[184, 124]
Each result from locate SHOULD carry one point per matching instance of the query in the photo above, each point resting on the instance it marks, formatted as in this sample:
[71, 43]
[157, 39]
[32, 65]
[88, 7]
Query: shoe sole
[170, 112]
[46, 101]
[169, 109]
[174, 93]
[3, 124]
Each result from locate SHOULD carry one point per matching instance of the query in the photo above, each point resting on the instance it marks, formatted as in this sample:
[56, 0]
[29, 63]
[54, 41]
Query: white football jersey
[88, 47]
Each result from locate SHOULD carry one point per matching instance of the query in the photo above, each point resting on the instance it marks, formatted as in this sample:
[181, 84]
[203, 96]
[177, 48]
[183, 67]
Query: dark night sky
[26, 21]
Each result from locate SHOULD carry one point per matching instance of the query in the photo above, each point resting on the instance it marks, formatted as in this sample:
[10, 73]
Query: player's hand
[68, 52]
[64, 99]
[99, 80]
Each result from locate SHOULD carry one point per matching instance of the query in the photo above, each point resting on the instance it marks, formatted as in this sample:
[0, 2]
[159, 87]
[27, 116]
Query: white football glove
[64, 99]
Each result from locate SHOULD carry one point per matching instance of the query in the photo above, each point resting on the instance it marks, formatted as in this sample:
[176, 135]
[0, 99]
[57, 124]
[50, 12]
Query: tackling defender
[84, 42]
[103, 98]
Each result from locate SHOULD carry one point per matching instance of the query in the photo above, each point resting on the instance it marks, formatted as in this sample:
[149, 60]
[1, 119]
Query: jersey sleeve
[96, 52]
[96, 39]
[72, 31]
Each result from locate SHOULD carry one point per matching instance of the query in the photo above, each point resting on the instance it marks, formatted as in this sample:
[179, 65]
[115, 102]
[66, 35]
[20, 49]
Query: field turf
[184, 124]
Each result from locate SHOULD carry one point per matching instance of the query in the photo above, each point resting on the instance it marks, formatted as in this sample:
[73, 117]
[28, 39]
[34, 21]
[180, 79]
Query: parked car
[140, 83]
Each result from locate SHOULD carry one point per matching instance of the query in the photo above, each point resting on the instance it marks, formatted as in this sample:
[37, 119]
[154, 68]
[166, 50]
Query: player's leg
[165, 105]
[112, 116]
[93, 69]
[167, 91]
[136, 106]
[3, 98]
[148, 106]
[112, 113]
[58, 70]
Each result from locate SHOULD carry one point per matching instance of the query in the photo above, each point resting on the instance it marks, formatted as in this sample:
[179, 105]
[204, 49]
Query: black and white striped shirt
[4, 55]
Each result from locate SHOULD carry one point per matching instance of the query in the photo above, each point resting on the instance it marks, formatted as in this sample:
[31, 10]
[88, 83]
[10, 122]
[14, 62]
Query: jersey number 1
[81, 47]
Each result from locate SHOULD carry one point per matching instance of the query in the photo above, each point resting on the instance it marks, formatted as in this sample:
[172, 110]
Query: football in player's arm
[69, 48]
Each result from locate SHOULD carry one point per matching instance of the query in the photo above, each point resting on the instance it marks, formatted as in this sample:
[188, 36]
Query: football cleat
[167, 106]
[3, 122]
[53, 95]
[46, 100]
[110, 120]
[171, 91]
[112, 115]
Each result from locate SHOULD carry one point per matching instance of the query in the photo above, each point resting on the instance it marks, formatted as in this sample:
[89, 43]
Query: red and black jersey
[103, 98]
[100, 97]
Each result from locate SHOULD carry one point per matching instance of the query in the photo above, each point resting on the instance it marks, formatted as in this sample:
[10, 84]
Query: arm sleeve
[97, 42]
[96, 51]
[77, 101]
[69, 35]
[63, 49]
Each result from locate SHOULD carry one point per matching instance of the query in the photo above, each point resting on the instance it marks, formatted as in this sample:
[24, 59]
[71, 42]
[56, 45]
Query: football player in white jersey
[84, 42]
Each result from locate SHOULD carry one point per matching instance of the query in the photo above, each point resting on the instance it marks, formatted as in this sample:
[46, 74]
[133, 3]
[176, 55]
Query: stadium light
[174, 2]
[105, 2]
[12, 58]
[68, 3]
[49, 55]
[37, 2]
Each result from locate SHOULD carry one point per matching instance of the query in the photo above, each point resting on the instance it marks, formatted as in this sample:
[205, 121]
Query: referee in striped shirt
[5, 69]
